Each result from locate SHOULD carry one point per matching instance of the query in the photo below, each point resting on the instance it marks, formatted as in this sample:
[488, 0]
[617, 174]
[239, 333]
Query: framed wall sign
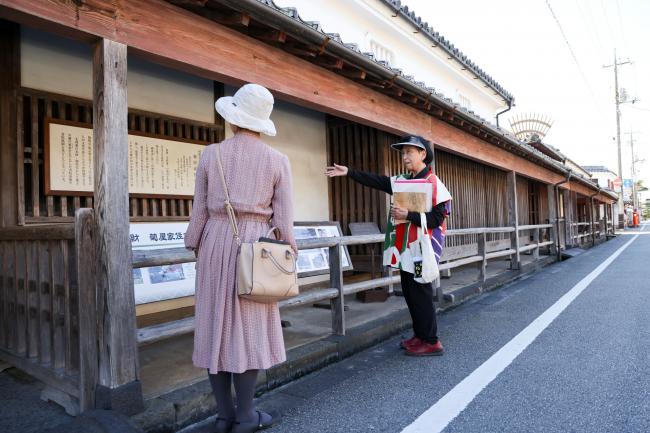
[159, 167]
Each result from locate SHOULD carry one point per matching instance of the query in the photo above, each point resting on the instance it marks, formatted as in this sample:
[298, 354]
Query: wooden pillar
[552, 218]
[336, 281]
[119, 388]
[568, 219]
[591, 221]
[9, 83]
[513, 218]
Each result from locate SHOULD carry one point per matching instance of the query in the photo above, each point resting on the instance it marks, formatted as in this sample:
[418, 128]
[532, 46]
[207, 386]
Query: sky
[557, 69]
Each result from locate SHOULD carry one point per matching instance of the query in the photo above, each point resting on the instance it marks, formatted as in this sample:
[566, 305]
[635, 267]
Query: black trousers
[419, 299]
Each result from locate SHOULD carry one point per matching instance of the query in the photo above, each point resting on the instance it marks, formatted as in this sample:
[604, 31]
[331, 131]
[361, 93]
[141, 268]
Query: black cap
[417, 141]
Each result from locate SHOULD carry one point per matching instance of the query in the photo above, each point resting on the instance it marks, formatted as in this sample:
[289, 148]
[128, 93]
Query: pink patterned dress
[234, 334]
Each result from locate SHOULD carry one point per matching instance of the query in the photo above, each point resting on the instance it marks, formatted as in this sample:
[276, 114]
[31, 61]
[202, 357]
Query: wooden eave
[231, 53]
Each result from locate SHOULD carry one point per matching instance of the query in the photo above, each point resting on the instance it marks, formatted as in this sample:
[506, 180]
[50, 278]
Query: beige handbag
[266, 269]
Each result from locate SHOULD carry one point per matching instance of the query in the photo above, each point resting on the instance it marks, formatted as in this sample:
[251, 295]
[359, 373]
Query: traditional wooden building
[67, 304]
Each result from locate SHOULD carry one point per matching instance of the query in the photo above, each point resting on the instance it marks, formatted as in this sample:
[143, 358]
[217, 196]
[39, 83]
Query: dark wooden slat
[20, 159]
[35, 157]
[45, 302]
[58, 270]
[33, 304]
[21, 299]
[84, 252]
[336, 281]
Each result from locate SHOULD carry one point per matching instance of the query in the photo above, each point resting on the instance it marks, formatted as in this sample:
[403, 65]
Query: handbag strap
[232, 216]
[229, 209]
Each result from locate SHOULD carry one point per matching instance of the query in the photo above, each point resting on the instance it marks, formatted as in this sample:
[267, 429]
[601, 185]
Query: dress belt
[243, 217]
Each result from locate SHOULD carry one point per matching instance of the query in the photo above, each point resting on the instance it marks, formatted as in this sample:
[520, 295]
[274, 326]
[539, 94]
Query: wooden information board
[158, 167]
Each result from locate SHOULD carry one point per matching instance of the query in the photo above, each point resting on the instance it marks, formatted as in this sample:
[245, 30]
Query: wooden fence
[336, 289]
[47, 326]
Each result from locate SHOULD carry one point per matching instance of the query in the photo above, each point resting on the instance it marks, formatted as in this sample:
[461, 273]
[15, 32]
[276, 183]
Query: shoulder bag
[266, 269]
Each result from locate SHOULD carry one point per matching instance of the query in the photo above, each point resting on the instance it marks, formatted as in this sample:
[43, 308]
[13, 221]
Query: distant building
[604, 175]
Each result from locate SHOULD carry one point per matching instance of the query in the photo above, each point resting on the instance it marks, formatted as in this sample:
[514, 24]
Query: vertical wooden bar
[33, 302]
[45, 299]
[20, 160]
[35, 159]
[536, 241]
[9, 83]
[552, 219]
[49, 200]
[513, 218]
[58, 270]
[482, 251]
[21, 299]
[591, 221]
[568, 219]
[88, 362]
[336, 281]
[4, 295]
[119, 388]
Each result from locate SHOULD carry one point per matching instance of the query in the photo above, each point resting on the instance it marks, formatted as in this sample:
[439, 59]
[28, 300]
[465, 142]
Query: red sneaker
[413, 341]
[426, 349]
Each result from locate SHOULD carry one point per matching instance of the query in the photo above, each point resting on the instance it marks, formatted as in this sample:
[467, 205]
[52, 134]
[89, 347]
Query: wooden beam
[137, 22]
[118, 356]
[330, 63]
[270, 36]
[355, 74]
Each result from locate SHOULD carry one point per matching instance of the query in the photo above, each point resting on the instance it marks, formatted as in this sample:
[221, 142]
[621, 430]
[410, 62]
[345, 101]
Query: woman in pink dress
[235, 338]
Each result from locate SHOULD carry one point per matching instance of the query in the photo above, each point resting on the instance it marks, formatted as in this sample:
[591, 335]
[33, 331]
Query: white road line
[438, 416]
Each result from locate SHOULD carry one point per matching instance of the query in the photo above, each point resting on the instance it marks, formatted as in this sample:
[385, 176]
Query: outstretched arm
[371, 180]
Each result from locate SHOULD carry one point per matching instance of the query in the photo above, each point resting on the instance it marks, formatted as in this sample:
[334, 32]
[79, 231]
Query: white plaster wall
[59, 65]
[302, 137]
[362, 21]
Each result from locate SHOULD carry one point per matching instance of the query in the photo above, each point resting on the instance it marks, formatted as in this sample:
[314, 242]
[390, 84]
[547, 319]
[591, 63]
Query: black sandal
[275, 419]
[223, 425]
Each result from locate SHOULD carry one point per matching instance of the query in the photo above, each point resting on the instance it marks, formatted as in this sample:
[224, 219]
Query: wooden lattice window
[34, 106]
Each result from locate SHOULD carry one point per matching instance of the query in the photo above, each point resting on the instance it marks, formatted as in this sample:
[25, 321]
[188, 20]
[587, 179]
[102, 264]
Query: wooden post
[85, 256]
[591, 221]
[119, 388]
[536, 241]
[568, 219]
[482, 251]
[9, 82]
[513, 218]
[336, 281]
[553, 219]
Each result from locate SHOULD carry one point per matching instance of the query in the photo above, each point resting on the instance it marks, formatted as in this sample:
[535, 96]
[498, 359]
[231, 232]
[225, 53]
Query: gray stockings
[244, 393]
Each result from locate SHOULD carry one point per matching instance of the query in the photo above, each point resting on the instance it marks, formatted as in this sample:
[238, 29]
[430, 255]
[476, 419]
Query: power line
[575, 58]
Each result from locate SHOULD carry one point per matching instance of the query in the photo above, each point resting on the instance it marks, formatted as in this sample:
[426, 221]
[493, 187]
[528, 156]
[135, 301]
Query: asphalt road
[587, 370]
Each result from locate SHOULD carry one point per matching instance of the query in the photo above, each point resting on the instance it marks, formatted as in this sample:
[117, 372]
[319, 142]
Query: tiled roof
[446, 45]
[526, 148]
[597, 169]
[417, 22]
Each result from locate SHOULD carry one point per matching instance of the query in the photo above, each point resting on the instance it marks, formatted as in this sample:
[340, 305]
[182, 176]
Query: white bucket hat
[250, 108]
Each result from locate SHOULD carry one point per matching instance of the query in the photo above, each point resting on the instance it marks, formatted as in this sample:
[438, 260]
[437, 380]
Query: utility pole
[635, 203]
[617, 100]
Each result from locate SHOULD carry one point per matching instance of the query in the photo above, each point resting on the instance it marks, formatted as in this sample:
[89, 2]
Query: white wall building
[394, 34]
